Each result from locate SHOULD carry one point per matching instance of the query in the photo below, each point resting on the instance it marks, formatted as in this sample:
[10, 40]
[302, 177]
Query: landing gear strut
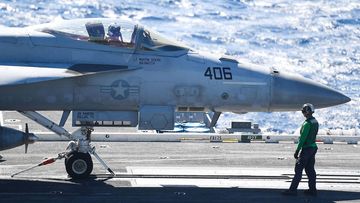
[78, 162]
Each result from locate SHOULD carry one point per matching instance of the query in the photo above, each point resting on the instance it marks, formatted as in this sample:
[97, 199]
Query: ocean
[317, 39]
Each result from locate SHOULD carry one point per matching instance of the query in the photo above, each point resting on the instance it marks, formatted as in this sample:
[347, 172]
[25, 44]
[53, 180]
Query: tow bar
[43, 163]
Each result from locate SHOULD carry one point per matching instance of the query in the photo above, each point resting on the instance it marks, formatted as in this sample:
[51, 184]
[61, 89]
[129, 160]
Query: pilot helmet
[114, 30]
[308, 108]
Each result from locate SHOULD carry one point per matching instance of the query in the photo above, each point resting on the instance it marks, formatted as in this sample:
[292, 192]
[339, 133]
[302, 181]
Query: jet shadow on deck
[52, 190]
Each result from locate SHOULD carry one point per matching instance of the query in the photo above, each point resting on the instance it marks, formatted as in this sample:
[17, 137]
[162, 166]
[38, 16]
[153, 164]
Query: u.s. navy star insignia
[120, 89]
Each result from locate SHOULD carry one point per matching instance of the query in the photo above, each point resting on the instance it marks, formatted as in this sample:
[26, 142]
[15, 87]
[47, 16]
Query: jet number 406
[218, 73]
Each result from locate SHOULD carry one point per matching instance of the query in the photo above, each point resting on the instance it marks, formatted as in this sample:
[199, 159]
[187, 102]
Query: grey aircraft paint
[61, 66]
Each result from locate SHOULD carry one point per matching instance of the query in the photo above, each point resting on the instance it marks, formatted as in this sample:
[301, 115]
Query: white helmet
[308, 108]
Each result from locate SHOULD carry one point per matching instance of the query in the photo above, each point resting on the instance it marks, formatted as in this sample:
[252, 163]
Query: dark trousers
[307, 161]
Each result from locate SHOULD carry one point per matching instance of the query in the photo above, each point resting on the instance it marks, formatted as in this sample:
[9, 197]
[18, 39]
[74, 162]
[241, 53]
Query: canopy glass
[111, 32]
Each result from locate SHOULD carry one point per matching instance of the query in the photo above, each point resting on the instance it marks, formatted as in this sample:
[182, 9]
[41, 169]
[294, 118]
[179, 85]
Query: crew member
[114, 33]
[307, 146]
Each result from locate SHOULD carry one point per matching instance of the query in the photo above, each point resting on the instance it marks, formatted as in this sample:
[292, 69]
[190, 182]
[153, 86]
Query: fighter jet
[113, 73]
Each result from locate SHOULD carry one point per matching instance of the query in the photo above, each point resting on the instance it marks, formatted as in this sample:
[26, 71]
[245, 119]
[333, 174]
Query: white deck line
[1, 119]
[195, 137]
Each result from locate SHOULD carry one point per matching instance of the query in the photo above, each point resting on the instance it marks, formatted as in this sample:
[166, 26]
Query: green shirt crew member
[307, 146]
[308, 134]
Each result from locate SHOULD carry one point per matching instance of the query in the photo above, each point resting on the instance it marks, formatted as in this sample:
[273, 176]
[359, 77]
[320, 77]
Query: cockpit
[109, 32]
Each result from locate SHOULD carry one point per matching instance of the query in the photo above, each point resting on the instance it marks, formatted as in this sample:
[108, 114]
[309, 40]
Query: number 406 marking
[218, 73]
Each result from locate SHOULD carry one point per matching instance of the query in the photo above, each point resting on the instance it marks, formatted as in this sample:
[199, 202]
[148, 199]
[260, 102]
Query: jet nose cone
[291, 92]
[340, 98]
[330, 97]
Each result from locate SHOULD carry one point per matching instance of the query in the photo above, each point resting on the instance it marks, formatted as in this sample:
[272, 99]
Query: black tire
[79, 165]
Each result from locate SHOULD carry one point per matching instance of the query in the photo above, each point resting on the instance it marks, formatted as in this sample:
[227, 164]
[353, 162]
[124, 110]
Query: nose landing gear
[78, 162]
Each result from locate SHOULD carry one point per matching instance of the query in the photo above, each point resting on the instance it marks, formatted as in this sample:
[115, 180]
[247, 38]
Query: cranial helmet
[308, 108]
[114, 30]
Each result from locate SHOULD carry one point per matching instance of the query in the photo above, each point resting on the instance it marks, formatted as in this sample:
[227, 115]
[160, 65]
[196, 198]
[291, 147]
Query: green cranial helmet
[308, 108]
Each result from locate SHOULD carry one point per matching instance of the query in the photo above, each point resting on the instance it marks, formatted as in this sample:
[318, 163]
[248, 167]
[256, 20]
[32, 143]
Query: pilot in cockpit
[114, 33]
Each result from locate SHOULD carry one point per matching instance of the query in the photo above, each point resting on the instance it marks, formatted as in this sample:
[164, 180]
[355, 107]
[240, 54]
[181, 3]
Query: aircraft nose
[291, 92]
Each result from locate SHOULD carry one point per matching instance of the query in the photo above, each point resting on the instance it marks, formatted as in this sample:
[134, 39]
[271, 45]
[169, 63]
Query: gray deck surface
[179, 172]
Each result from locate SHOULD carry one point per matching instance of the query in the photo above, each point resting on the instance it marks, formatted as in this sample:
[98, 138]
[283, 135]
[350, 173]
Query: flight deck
[178, 172]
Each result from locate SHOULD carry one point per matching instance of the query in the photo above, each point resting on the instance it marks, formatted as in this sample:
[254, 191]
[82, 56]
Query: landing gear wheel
[79, 165]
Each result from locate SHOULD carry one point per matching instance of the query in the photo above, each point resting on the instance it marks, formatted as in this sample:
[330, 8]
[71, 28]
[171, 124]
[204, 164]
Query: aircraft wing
[31, 73]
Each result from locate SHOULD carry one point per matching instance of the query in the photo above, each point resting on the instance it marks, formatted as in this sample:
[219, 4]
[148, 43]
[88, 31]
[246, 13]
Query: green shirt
[308, 133]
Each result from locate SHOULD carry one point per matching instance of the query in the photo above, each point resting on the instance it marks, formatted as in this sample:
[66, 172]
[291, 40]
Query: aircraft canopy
[111, 32]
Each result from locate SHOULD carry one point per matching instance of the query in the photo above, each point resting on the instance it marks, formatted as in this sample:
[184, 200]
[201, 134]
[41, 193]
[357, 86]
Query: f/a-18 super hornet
[110, 72]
